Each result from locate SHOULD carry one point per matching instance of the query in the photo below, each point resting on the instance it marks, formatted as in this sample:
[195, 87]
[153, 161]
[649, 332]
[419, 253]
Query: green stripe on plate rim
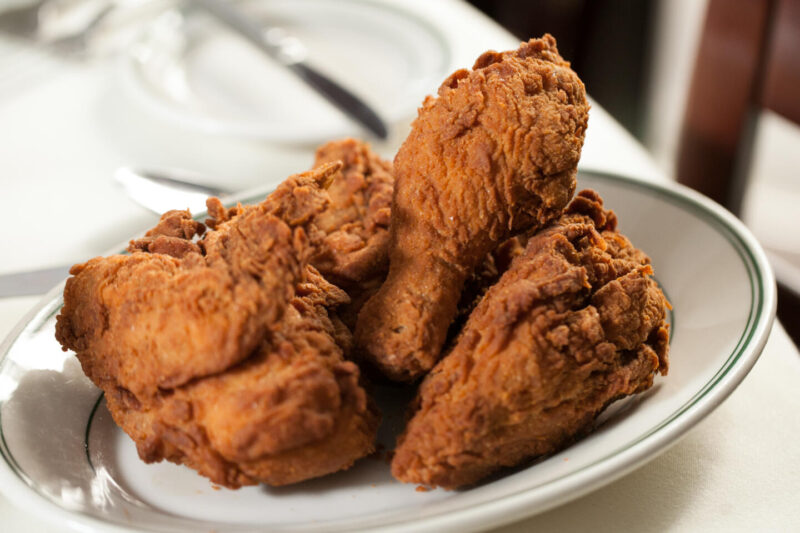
[756, 311]
[88, 430]
[745, 254]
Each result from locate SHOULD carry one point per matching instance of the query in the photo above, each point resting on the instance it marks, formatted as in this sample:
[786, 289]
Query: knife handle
[341, 98]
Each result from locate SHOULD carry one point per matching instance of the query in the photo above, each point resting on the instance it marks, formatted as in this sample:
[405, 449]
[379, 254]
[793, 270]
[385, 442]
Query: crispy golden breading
[220, 353]
[353, 251]
[494, 154]
[574, 324]
[292, 411]
[356, 221]
[187, 309]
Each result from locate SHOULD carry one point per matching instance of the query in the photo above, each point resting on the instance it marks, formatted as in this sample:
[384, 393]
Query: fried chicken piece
[353, 250]
[495, 154]
[487, 274]
[574, 324]
[184, 310]
[292, 411]
[355, 223]
[220, 353]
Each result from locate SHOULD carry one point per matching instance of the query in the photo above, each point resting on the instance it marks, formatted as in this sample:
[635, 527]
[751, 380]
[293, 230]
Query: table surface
[64, 128]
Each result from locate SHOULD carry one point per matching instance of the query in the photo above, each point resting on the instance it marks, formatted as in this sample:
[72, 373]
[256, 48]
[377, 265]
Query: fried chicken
[574, 324]
[219, 353]
[494, 154]
[487, 274]
[353, 250]
[292, 411]
[189, 309]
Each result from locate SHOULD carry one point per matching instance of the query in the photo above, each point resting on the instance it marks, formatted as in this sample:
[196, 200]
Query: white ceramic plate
[191, 70]
[63, 458]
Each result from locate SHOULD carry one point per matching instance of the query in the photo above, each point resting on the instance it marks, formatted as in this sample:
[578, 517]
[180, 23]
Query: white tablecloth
[64, 127]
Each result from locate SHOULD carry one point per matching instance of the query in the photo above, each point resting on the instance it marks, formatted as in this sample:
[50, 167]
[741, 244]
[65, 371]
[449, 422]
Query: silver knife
[288, 51]
[32, 282]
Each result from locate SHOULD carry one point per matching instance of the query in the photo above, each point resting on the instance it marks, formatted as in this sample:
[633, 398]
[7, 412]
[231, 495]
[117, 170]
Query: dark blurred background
[607, 41]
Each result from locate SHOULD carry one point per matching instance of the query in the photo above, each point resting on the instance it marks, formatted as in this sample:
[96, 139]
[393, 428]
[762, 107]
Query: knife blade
[32, 282]
[288, 51]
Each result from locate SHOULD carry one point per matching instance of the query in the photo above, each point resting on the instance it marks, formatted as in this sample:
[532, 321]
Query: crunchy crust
[494, 154]
[575, 323]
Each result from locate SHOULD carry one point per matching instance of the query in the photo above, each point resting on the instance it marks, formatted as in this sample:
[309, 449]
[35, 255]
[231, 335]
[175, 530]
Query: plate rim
[533, 500]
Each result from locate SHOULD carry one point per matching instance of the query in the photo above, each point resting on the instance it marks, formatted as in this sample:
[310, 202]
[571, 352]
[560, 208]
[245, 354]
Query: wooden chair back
[748, 60]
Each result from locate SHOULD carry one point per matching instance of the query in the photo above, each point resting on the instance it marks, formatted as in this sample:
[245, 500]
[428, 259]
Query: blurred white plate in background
[188, 68]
